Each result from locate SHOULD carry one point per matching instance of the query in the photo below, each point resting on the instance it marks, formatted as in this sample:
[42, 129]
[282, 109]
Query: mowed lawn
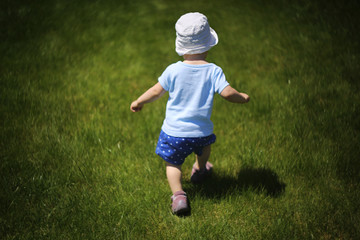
[77, 164]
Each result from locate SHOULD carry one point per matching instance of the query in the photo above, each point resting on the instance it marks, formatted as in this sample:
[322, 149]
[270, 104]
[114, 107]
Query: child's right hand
[234, 96]
[135, 106]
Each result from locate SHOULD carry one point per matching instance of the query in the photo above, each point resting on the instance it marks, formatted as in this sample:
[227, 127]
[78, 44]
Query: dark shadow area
[184, 214]
[259, 180]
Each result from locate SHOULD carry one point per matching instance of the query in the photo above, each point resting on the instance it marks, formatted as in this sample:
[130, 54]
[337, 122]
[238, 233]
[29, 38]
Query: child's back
[191, 92]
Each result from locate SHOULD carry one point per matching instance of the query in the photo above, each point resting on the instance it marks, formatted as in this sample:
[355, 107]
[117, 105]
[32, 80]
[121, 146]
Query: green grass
[77, 164]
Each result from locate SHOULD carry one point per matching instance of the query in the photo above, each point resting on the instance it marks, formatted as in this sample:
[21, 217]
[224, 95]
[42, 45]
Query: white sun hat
[193, 34]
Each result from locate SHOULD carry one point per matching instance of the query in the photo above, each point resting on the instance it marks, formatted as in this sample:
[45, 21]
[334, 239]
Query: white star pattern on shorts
[175, 150]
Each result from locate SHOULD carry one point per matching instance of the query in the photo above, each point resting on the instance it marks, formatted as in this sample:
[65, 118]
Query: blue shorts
[175, 149]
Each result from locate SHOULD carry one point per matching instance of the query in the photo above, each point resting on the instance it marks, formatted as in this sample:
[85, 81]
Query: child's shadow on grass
[259, 180]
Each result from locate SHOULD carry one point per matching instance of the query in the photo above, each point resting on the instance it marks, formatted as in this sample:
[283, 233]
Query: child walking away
[192, 85]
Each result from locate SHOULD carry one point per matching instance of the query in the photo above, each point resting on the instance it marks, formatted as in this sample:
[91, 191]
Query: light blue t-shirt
[191, 93]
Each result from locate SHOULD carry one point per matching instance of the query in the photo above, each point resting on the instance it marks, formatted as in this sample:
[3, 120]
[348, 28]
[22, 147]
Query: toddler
[191, 84]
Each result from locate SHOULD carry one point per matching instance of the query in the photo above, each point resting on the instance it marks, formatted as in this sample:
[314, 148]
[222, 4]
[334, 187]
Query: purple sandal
[198, 176]
[180, 204]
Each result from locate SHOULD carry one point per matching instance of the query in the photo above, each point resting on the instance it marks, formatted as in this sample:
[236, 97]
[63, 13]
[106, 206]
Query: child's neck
[195, 59]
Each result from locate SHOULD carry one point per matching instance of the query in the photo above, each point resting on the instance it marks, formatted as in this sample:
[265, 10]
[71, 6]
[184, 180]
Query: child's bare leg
[201, 160]
[173, 174]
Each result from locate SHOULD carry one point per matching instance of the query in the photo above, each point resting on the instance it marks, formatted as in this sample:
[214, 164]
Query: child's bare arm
[234, 96]
[149, 96]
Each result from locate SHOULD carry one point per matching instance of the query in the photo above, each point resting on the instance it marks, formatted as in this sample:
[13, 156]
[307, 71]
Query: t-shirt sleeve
[164, 79]
[220, 80]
